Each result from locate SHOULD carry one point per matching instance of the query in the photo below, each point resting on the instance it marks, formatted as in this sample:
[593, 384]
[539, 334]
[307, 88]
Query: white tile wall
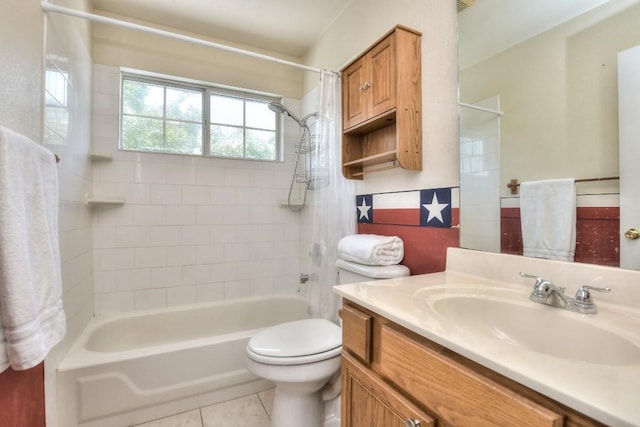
[191, 229]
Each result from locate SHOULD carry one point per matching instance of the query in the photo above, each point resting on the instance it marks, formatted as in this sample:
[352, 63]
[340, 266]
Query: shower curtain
[333, 199]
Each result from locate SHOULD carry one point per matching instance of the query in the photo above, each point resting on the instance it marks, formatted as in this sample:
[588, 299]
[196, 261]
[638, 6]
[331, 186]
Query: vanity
[468, 347]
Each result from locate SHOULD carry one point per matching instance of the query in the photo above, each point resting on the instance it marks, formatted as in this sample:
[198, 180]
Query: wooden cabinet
[372, 402]
[382, 106]
[369, 84]
[395, 374]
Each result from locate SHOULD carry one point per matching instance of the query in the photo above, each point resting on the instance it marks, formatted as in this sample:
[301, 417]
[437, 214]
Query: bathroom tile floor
[248, 411]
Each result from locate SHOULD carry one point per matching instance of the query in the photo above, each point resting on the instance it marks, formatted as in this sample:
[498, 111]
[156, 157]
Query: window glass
[183, 104]
[227, 110]
[261, 144]
[260, 116]
[183, 137]
[140, 133]
[227, 141]
[166, 116]
[143, 99]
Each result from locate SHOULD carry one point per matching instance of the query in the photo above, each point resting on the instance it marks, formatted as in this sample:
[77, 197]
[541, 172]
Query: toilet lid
[296, 339]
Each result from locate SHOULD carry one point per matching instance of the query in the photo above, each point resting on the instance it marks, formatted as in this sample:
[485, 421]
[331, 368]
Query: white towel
[371, 249]
[32, 320]
[548, 217]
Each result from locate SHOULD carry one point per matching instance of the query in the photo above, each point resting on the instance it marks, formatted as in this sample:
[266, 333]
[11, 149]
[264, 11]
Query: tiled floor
[248, 411]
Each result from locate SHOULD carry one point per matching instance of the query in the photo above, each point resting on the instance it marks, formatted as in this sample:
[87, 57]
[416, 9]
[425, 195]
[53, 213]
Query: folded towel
[32, 320]
[548, 217]
[371, 249]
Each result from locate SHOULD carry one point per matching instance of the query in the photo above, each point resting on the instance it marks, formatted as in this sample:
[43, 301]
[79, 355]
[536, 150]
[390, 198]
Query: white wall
[116, 46]
[21, 35]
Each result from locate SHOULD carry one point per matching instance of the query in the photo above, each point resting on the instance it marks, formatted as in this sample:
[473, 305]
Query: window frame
[207, 90]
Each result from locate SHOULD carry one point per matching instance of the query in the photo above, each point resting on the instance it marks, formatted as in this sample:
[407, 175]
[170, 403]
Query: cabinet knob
[365, 86]
[412, 423]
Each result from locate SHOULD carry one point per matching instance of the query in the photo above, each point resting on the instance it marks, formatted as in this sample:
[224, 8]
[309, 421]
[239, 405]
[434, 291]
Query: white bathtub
[132, 368]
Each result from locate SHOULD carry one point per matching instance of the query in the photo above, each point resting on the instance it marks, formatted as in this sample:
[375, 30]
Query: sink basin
[514, 320]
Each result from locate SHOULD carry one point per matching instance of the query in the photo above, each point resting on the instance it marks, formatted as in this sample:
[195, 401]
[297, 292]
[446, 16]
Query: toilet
[302, 356]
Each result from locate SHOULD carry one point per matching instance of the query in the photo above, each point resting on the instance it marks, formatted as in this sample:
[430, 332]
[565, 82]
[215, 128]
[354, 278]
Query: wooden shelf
[383, 167]
[388, 156]
[383, 120]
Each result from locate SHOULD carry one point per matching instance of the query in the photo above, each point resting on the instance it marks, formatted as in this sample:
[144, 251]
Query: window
[56, 109]
[165, 116]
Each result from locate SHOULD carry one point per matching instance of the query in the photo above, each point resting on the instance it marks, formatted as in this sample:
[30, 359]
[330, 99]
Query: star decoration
[364, 210]
[435, 209]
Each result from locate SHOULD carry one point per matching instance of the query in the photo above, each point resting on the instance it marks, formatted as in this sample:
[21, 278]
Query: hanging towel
[371, 249]
[548, 217]
[32, 320]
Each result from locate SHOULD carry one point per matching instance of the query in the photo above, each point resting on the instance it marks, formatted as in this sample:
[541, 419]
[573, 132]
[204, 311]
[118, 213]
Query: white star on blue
[364, 205]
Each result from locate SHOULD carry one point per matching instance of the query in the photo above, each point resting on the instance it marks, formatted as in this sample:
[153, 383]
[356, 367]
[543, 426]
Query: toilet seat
[296, 343]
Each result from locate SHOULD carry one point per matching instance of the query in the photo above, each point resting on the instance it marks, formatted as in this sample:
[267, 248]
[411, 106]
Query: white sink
[508, 316]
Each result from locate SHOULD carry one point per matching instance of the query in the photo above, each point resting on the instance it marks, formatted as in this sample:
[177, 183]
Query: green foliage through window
[169, 117]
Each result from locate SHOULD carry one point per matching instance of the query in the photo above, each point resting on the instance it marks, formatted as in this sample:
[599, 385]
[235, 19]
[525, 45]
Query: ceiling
[289, 27]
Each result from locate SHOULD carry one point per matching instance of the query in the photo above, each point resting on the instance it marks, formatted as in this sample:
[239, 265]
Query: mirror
[544, 75]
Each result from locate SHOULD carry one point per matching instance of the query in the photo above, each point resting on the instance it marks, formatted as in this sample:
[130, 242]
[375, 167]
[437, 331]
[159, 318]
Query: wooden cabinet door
[369, 84]
[457, 394]
[382, 93]
[369, 402]
[355, 81]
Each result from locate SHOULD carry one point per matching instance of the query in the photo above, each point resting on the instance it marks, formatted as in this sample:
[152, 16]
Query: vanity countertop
[606, 391]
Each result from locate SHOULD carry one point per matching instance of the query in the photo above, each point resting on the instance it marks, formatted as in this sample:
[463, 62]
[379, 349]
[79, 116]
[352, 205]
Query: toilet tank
[350, 272]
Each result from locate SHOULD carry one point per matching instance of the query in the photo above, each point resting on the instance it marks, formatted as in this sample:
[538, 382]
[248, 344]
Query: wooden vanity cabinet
[403, 376]
[382, 105]
[368, 401]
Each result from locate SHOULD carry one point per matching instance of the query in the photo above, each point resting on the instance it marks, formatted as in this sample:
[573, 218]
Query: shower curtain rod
[48, 7]
[486, 110]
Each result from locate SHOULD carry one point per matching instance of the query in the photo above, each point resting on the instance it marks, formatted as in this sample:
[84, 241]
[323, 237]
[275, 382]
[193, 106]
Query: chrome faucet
[545, 292]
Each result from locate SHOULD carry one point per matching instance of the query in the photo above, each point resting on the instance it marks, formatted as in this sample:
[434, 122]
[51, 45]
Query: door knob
[632, 234]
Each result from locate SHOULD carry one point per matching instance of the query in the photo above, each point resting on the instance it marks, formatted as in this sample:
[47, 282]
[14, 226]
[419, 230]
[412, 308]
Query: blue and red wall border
[428, 222]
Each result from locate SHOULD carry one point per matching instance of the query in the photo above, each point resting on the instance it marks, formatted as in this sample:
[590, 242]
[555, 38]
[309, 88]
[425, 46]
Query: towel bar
[514, 184]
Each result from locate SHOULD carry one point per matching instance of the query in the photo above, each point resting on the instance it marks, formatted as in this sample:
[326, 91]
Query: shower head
[279, 108]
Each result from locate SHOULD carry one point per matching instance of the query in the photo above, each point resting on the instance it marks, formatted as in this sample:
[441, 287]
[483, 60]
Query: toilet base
[294, 409]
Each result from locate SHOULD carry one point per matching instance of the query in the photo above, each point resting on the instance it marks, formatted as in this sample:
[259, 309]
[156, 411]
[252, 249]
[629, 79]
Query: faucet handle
[583, 296]
[529, 276]
[539, 280]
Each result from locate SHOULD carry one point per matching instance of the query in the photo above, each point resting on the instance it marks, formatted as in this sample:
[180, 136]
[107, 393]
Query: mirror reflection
[546, 82]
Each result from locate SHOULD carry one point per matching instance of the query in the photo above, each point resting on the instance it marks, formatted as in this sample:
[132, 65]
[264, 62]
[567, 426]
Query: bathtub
[131, 368]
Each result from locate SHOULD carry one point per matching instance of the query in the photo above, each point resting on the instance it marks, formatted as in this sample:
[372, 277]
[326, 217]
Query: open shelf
[100, 157]
[95, 201]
